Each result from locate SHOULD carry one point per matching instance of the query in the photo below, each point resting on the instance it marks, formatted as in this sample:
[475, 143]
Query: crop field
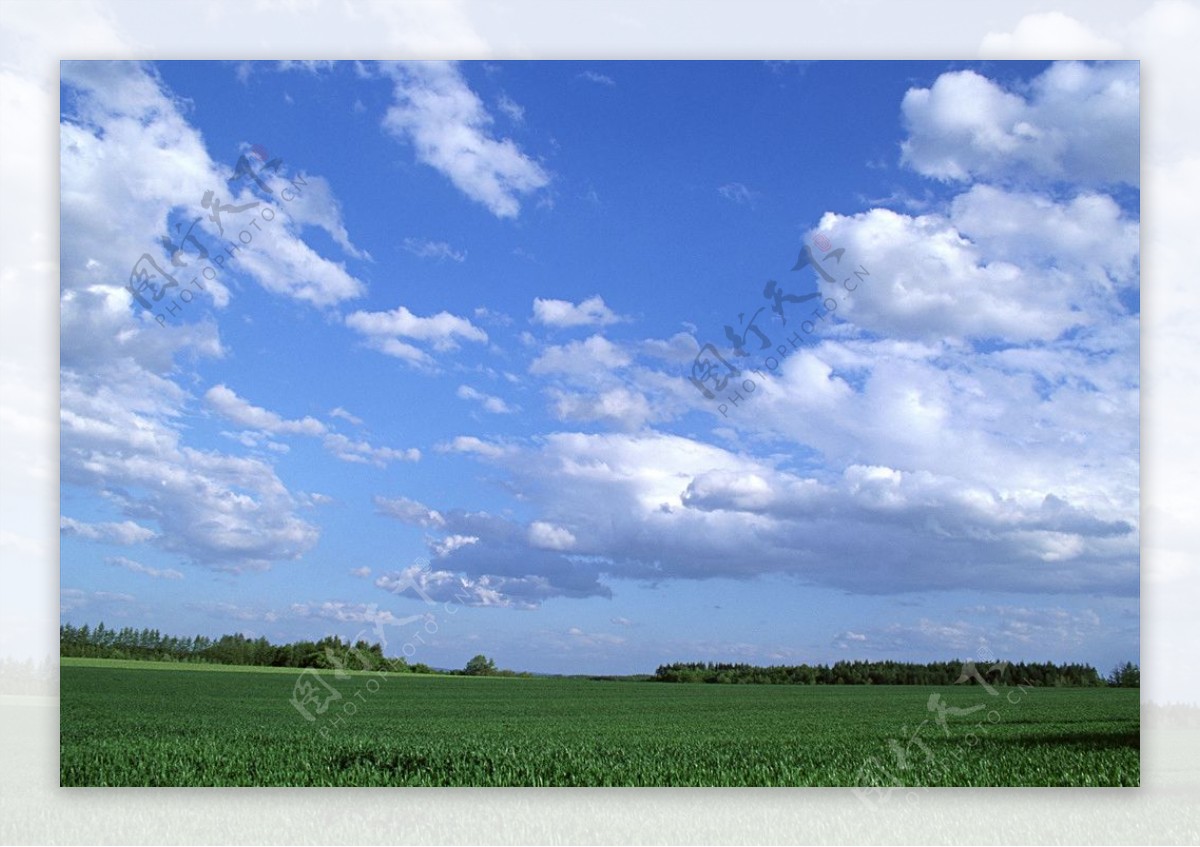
[140, 724]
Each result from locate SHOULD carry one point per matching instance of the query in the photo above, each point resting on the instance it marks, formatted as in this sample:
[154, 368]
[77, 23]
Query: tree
[480, 665]
[1127, 675]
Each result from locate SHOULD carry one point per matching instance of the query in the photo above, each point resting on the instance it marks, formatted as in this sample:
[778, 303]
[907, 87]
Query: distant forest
[333, 653]
[901, 673]
[151, 645]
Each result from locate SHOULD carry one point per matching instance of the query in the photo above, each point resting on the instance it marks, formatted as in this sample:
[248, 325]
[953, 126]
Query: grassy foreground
[141, 724]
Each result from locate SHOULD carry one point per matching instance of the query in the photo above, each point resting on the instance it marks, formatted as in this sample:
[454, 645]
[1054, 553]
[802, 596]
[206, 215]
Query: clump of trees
[882, 673]
[1127, 675]
[481, 665]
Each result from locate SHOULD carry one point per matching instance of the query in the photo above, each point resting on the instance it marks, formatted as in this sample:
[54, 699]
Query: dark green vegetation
[892, 673]
[151, 645]
[330, 653]
[157, 724]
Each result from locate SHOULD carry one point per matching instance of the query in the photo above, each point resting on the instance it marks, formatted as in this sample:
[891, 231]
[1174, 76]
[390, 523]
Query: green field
[137, 723]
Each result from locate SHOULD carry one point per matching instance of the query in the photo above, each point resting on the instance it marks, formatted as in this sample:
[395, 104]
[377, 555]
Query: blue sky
[459, 356]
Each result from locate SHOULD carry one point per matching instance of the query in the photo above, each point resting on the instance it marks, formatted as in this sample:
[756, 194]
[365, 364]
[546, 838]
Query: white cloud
[425, 249]
[1080, 122]
[508, 106]
[619, 406]
[655, 506]
[547, 536]
[490, 403]
[339, 412]
[1001, 264]
[409, 511]
[126, 144]
[738, 193]
[450, 543]
[443, 586]
[598, 78]
[361, 573]
[125, 532]
[471, 444]
[312, 66]
[362, 452]
[594, 357]
[220, 511]
[138, 567]
[445, 121]
[238, 410]
[564, 313]
[995, 630]
[124, 141]
[341, 612]
[314, 204]
[383, 331]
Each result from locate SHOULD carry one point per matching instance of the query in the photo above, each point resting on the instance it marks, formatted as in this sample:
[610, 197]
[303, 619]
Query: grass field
[136, 723]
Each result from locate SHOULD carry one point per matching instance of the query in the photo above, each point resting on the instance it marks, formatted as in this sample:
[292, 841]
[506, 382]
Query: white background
[34, 36]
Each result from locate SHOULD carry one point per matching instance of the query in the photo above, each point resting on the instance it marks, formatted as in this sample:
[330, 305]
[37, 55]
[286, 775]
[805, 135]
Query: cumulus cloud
[547, 536]
[110, 532]
[596, 355]
[1078, 122]
[445, 546]
[362, 452]
[126, 143]
[339, 412]
[138, 567]
[490, 403]
[655, 506]
[225, 401]
[471, 444]
[564, 313]
[313, 203]
[409, 511]
[443, 586]
[999, 264]
[217, 510]
[618, 406]
[436, 111]
[384, 331]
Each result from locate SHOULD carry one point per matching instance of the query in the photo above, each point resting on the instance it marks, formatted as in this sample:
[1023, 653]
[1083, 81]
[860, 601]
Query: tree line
[330, 653]
[148, 644]
[899, 673]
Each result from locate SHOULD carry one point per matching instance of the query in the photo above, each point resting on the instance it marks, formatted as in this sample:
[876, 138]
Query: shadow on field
[1088, 740]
